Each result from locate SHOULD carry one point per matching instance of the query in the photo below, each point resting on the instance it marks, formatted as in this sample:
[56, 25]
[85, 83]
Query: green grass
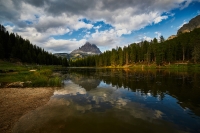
[195, 68]
[42, 77]
[6, 66]
[55, 81]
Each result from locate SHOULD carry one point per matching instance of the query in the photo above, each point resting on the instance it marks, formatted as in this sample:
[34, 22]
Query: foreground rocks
[15, 102]
[15, 84]
[18, 84]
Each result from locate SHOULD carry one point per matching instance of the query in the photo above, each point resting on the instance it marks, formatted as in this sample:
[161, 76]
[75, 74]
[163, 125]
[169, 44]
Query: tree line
[183, 48]
[14, 47]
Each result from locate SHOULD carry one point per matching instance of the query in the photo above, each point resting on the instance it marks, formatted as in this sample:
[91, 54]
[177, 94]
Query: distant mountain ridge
[193, 23]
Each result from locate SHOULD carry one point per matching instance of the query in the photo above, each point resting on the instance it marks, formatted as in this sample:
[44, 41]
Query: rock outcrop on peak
[171, 37]
[87, 48]
[193, 23]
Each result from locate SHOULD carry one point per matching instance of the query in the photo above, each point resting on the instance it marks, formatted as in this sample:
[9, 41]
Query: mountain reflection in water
[117, 100]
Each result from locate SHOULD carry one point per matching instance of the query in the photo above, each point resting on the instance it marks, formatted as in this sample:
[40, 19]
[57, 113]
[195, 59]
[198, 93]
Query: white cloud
[130, 22]
[80, 25]
[159, 19]
[28, 12]
[108, 38]
[48, 18]
[62, 45]
[122, 31]
[147, 38]
[64, 20]
[29, 33]
[142, 37]
[97, 27]
[37, 37]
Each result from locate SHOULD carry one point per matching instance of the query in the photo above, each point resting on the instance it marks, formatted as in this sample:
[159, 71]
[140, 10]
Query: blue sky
[62, 26]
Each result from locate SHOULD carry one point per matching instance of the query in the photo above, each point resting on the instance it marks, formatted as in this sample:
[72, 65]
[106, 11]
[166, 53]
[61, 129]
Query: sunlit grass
[55, 81]
[40, 77]
[181, 67]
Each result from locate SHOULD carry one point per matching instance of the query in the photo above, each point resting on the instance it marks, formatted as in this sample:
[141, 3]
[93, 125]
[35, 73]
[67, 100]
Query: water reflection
[86, 83]
[116, 100]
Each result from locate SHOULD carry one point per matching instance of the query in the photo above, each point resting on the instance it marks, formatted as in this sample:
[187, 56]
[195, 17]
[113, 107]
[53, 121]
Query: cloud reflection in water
[100, 105]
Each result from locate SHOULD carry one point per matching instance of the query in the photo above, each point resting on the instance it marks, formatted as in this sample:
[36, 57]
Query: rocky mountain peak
[87, 48]
[193, 23]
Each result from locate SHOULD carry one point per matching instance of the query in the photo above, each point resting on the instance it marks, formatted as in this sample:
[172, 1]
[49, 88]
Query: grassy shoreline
[172, 66]
[23, 75]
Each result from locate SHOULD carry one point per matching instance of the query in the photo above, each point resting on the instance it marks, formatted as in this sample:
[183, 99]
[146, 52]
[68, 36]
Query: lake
[119, 100]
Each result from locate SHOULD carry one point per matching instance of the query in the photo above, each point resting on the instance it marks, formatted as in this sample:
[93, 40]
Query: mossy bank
[23, 75]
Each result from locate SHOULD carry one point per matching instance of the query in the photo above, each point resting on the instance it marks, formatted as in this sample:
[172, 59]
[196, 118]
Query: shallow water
[116, 100]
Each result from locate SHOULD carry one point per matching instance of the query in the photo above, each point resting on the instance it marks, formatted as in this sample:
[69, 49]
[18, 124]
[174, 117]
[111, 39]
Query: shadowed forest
[14, 48]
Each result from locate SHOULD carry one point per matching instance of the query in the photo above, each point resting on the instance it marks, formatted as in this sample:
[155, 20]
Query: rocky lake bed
[15, 102]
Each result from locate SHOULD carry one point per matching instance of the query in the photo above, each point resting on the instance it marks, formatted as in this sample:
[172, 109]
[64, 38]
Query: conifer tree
[120, 54]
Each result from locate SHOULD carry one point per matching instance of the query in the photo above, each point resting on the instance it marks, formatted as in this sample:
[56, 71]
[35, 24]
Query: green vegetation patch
[32, 75]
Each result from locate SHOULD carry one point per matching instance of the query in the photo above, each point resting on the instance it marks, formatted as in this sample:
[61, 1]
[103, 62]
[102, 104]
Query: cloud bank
[41, 20]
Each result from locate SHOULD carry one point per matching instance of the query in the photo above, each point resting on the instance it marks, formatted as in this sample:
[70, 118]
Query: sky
[61, 26]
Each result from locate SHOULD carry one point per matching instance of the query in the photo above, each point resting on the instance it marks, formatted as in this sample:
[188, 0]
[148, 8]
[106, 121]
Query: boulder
[15, 84]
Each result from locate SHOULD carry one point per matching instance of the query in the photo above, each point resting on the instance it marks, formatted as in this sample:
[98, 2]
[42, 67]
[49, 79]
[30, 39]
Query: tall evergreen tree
[113, 57]
[120, 54]
[133, 53]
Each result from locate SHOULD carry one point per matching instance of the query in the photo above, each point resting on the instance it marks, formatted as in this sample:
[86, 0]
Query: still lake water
[116, 101]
